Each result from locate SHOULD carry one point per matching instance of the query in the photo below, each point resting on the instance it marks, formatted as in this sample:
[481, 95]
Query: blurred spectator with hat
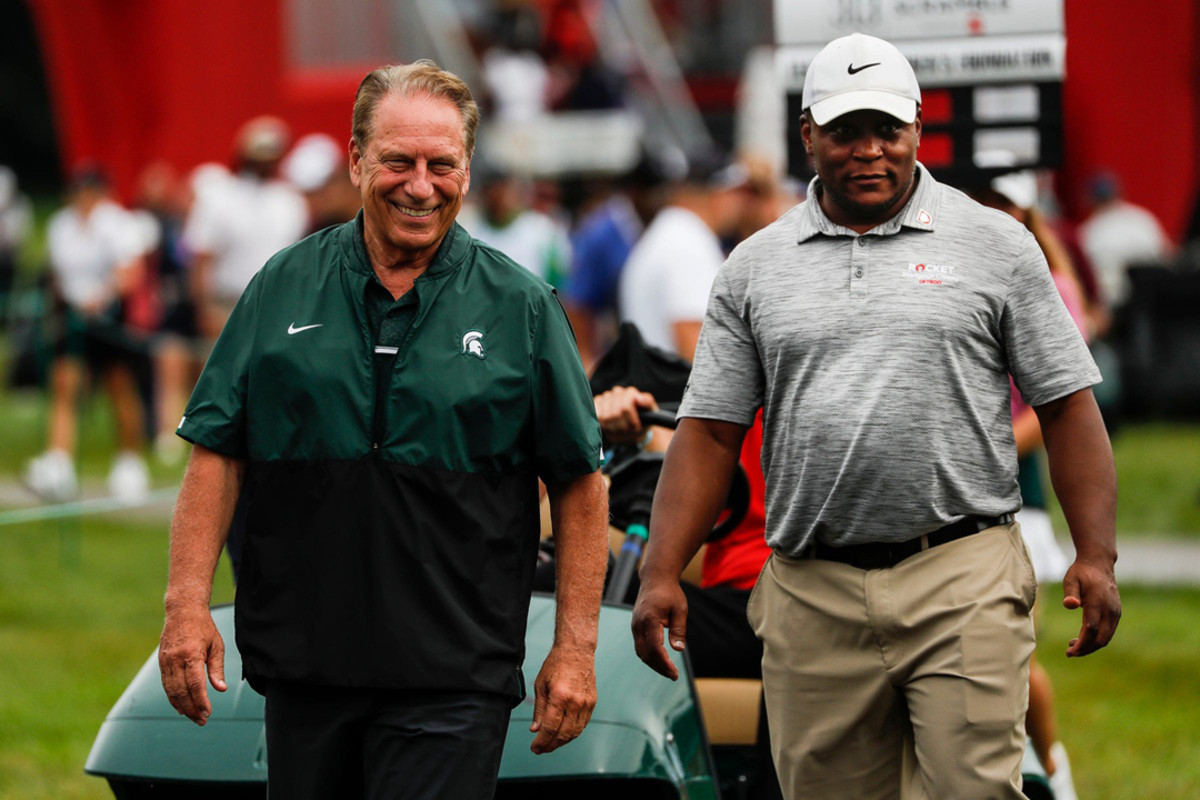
[317, 167]
[236, 225]
[1117, 235]
[665, 283]
[96, 253]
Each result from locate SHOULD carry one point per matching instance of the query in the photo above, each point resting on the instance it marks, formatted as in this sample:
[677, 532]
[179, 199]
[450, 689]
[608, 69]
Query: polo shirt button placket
[857, 271]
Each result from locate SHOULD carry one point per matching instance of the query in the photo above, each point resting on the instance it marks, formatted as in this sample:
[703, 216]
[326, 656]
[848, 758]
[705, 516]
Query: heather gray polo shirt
[881, 362]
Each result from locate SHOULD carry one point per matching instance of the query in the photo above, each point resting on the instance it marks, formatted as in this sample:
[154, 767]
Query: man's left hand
[1093, 588]
[564, 696]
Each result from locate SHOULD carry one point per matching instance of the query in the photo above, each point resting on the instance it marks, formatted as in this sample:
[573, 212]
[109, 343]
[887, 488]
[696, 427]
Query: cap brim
[902, 108]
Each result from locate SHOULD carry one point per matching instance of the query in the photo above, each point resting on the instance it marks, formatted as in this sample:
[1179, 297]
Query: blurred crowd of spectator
[138, 293]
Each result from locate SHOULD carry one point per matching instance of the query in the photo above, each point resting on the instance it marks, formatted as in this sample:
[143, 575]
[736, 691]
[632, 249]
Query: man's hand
[1093, 588]
[690, 495]
[1085, 480]
[564, 697]
[660, 604]
[617, 409]
[191, 653]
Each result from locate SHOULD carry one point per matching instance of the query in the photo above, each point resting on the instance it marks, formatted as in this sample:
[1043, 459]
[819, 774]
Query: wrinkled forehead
[417, 114]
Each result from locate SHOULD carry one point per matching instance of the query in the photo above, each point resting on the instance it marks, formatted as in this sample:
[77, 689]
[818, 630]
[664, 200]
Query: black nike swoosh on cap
[853, 70]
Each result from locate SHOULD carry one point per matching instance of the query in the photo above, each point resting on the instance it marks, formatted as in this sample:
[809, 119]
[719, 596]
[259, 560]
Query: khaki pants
[865, 671]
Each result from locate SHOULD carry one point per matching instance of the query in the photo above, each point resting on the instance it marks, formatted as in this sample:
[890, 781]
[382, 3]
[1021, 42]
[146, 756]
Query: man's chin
[874, 209]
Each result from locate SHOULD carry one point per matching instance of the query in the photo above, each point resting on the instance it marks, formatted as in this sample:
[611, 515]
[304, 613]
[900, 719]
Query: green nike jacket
[393, 544]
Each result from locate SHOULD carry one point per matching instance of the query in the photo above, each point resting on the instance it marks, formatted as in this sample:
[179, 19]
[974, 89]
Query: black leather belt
[880, 555]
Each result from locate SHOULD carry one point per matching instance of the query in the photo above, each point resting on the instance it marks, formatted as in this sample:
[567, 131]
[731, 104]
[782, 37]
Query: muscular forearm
[1082, 472]
[1084, 478]
[579, 515]
[690, 495]
[200, 525]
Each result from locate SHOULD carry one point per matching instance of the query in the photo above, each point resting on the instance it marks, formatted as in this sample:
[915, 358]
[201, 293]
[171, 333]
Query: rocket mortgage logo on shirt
[931, 274]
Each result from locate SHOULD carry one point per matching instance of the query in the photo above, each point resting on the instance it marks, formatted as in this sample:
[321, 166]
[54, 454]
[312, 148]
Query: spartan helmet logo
[472, 343]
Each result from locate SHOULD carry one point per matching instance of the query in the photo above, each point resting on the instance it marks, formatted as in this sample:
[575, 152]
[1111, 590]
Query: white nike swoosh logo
[292, 329]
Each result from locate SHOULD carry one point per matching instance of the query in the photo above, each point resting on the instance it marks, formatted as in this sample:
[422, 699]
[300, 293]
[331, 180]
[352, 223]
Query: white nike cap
[857, 72]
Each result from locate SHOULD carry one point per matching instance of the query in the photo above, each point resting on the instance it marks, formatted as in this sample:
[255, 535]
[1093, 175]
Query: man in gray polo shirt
[877, 324]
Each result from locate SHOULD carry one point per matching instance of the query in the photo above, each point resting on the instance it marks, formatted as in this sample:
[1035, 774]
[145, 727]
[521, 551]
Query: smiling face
[412, 175]
[866, 161]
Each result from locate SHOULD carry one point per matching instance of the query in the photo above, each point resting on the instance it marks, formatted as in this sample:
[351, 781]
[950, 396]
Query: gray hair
[406, 80]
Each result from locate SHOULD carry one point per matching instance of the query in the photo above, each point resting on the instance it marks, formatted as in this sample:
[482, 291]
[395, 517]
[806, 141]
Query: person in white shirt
[665, 283]
[1117, 235]
[96, 253]
[237, 223]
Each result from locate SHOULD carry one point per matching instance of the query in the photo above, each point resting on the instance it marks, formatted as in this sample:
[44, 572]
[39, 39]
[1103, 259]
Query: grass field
[1127, 714]
[80, 610]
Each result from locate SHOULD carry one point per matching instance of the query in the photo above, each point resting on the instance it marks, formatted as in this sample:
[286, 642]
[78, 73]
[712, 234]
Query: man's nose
[868, 148]
[419, 184]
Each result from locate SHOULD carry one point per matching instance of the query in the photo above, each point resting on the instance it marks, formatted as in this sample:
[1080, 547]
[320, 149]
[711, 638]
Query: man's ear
[806, 133]
[355, 156]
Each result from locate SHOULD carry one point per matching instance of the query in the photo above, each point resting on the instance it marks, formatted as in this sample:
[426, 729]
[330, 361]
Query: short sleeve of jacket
[727, 376]
[1047, 356]
[216, 413]
[566, 433]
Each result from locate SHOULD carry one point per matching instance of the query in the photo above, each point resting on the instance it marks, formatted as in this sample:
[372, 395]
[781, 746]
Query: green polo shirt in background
[393, 520]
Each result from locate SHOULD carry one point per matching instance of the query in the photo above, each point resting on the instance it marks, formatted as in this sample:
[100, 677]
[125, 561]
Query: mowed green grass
[80, 610]
[1128, 714]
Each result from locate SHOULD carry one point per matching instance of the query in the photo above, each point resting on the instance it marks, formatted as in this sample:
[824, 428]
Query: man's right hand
[617, 410]
[190, 654]
[660, 604]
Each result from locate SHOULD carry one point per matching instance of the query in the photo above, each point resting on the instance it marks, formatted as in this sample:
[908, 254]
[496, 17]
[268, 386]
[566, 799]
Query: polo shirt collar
[450, 254]
[919, 213]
